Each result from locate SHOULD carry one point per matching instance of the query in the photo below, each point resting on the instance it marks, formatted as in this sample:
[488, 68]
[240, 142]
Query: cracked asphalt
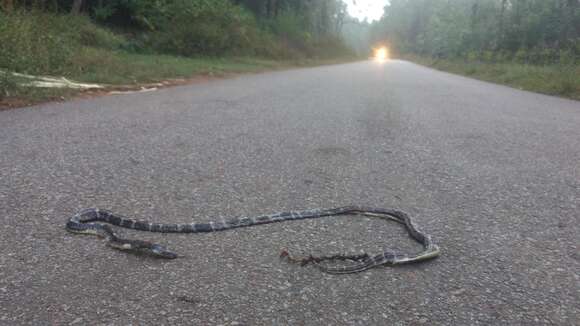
[492, 173]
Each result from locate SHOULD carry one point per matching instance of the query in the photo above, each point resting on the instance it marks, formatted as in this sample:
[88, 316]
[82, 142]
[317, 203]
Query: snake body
[91, 221]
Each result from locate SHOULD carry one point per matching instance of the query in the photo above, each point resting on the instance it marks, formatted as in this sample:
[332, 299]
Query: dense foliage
[530, 31]
[49, 43]
[270, 28]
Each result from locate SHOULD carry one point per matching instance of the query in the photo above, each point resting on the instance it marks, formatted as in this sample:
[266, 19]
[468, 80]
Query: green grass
[115, 68]
[128, 68]
[47, 44]
[557, 79]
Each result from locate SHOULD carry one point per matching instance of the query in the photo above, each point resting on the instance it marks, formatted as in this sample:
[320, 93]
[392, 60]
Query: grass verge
[117, 68]
[71, 46]
[559, 79]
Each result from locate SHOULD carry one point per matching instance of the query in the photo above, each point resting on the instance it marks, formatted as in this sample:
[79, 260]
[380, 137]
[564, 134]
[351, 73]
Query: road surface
[492, 173]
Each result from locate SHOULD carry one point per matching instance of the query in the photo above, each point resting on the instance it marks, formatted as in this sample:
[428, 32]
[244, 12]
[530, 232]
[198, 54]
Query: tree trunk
[474, 14]
[76, 7]
[573, 23]
[8, 5]
[501, 17]
[271, 8]
[501, 31]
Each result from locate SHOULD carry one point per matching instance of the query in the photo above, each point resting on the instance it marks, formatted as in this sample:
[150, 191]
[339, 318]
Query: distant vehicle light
[381, 54]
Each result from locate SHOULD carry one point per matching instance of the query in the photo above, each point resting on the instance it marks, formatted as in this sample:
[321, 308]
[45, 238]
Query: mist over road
[492, 173]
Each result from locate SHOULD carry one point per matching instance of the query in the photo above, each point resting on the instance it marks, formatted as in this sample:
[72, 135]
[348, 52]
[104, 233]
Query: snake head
[161, 252]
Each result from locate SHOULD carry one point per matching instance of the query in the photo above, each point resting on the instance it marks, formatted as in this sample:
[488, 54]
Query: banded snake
[90, 221]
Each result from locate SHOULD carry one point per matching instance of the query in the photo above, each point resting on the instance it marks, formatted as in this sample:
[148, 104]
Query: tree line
[189, 27]
[318, 16]
[532, 31]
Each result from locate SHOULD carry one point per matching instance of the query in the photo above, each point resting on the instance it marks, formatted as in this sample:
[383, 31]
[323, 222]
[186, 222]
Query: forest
[530, 44]
[527, 44]
[270, 28]
[136, 41]
[528, 31]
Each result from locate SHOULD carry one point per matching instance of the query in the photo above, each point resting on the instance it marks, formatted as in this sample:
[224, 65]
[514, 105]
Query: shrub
[91, 35]
[521, 56]
[472, 56]
[27, 46]
[567, 58]
[290, 27]
[329, 46]
[43, 43]
[488, 56]
[196, 27]
[7, 85]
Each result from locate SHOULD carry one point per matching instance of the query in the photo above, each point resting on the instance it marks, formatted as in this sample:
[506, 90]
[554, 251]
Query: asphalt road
[492, 173]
